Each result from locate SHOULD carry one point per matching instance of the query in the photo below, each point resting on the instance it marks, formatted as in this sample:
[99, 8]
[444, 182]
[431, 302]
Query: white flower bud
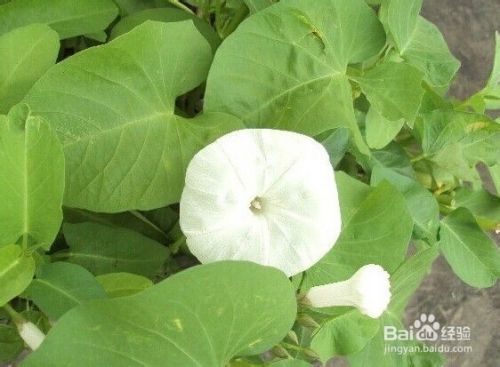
[31, 334]
[368, 290]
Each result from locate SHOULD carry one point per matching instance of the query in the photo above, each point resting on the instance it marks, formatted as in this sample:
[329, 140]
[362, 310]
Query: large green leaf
[422, 205]
[420, 42]
[301, 84]
[429, 52]
[26, 54]
[379, 130]
[402, 18]
[470, 252]
[31, 179]
[377, 232]
[60, 286]
[203, 316]
[344, 334]
[394, 90]
[68, 17]
[103, 249]
[16, 271]
[407, 278]
[125, 146]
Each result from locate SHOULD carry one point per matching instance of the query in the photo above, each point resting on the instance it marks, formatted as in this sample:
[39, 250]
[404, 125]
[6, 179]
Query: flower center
[256, 205]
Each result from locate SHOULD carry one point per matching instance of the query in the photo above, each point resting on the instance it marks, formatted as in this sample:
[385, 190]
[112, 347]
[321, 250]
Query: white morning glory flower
[261, 195]
[368, 290]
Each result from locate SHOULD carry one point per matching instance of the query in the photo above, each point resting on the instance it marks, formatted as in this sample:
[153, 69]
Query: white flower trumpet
[31, 334]
[368, 290]
[261, 195]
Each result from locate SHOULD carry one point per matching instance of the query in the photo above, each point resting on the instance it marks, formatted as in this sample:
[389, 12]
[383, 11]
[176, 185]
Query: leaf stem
[143, 218]
[180, 5]
[235, 22]
[418, 158]
[14, 315]
[24, 243]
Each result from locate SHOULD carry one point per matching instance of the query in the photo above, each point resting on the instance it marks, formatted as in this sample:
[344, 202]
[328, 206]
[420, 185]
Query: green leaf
[60, 286]
[352, 193]
[375, 355]
[16, 272]
[458, 140]
[68, 17]
[420, 42]
[378, 232]
[102, 249]
[336, 143]
[484, 206]
[301, 84]
[344, 334]
[394, 90]
[26, 54]
[395, 158]
[125, 147]
[379, 130]
[153, 224]
[429, 53]
[402, 16]
[31, 179]
[203, 316]
[165, 15]
[470, 252]
[407, 278]
[123, 284]
[422, 205]
[11, 344]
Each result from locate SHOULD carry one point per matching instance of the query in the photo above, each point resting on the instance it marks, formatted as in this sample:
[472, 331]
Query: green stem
[235, 22]
[180, 5]
[24, 243]
[141, 217]
[14, 315]
[418, 158]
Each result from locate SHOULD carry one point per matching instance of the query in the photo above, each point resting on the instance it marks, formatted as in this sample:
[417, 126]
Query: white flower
[261, 195]
[31, 334]
[368, 290]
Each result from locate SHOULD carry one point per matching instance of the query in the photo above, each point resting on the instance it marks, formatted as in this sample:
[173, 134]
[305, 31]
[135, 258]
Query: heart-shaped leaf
[200, 317]
[125, 147]
[301, 83]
